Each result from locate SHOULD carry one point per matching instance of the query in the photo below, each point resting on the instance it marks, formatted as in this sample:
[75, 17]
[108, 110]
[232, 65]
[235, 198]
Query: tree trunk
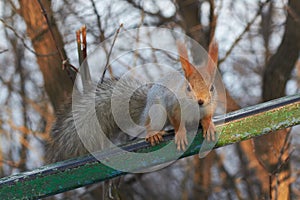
[269, 148]
[57, 83]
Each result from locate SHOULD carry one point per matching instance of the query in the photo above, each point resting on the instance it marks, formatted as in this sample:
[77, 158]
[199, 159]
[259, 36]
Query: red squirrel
[203, 92]
[65, 142]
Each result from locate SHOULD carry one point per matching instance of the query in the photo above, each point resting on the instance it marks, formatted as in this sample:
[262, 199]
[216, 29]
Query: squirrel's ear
[185, 64]
[213, 57]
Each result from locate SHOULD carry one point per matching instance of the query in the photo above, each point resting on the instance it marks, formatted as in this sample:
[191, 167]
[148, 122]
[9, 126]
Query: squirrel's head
[201, 80]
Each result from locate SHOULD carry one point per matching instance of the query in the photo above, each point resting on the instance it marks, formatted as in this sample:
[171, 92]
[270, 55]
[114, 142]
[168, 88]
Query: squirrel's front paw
[211, 134]
[209, 130]
[181, 140]
[154, 137]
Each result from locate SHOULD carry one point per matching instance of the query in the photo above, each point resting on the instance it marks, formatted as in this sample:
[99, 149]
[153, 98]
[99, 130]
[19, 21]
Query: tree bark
[280, 65]
[56, 81]
[278, 70]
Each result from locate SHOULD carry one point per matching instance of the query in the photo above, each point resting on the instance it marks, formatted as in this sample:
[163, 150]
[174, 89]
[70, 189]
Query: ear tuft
[185, 64]
[213, 57]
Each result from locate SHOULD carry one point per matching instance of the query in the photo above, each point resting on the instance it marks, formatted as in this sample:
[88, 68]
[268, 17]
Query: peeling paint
[59, 177]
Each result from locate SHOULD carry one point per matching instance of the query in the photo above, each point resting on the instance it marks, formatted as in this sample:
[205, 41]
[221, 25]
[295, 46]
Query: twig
[84, 47]
[82, 54]
[158, 14]
[98, 21]
[247, 28]
[3, 51]
[81, 44]
[65, 62]
[63, 59]
[137, 40]
[78, 40]
[23, 40]
[109, 53]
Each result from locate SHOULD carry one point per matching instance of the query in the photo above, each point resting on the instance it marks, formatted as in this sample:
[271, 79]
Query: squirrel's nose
[200, 102]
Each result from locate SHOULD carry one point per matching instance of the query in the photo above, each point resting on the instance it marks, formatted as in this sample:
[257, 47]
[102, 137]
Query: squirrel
[199, 86]
[65, 143]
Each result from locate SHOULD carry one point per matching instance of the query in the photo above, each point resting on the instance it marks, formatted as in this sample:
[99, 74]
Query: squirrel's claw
[211, 133]
[209, 129]
[155, 138]
[181, 140]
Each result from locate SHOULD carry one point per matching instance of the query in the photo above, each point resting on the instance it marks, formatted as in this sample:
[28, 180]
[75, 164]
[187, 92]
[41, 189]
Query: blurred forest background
[259, 43]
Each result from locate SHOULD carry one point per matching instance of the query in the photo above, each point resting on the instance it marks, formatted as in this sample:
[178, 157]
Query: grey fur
[171, 93]
[65, 142]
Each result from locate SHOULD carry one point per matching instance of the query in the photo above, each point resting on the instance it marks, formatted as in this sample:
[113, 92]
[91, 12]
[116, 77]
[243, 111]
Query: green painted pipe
[67, 175]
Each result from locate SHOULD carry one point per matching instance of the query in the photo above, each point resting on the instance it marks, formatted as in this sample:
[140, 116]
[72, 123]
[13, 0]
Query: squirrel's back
[75, 127]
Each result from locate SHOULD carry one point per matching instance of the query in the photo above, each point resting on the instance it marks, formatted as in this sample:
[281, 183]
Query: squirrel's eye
[212, 88]
[188, 88]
